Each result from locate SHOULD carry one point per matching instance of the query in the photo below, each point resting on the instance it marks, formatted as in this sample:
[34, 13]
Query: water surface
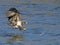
[43, 26]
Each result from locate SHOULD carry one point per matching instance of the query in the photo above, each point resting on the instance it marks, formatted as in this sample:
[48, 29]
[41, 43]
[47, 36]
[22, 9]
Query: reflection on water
[16, 38]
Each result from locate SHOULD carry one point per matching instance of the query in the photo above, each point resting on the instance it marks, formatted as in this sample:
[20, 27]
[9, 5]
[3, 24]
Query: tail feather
[21, 28]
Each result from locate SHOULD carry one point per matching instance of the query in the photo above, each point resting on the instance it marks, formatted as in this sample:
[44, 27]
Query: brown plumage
[15, 19]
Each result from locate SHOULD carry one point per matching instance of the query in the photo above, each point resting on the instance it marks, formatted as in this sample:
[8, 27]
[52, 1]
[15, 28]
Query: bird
[14, 18]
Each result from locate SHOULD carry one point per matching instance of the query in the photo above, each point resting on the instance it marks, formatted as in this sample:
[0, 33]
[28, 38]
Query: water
[43, 26]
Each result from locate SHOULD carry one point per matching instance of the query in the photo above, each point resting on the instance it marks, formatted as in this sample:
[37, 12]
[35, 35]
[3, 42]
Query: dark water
[43, 26]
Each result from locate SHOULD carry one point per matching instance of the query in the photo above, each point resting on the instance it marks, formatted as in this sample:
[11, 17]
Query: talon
[24, 28]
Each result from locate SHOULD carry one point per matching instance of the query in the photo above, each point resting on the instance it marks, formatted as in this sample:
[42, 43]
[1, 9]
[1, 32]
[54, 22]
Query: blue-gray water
[43, 26]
